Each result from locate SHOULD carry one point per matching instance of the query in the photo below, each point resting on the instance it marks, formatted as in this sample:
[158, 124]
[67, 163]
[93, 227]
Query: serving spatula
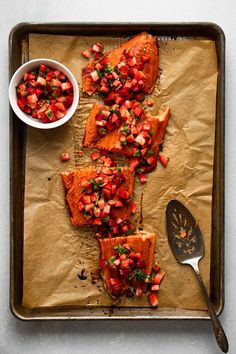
[187, 244]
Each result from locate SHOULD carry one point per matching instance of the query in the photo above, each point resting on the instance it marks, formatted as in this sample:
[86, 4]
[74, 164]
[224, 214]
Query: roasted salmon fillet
[124, 258]
[112, 140]
[143, 48]
[96, 195]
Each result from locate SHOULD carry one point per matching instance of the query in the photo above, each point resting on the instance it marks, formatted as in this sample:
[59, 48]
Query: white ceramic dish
[26, 118]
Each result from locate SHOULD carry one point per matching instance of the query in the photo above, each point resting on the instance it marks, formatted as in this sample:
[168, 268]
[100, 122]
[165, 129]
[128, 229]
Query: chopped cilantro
[137, 153]
[151, 132]
[129, 231]
[111, 260]
[120, 249]
[100, 73]
[139, 274]
[108, 69]
[150, 152]
[125, 129]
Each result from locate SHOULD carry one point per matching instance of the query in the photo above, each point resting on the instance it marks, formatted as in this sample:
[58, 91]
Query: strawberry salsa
[101, 196]
[127, 276]
[123, 89]
[45, 94]
[135, 133]
[125, 81]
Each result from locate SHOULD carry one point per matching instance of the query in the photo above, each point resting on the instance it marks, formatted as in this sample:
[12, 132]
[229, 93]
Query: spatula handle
[217, 327]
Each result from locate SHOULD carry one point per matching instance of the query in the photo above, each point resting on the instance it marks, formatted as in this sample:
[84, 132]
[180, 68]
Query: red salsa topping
[45, 94]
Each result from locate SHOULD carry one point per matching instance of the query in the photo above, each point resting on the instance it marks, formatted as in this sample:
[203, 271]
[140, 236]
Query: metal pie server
[187, 245]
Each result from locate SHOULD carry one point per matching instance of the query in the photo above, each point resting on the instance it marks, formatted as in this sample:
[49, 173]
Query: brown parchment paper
[55, 252]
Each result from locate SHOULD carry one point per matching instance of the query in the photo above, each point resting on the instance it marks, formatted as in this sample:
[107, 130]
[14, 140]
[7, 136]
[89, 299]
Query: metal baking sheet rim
[18, 131]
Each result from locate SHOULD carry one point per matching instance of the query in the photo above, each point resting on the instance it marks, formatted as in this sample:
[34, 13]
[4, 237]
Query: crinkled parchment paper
[55, 252]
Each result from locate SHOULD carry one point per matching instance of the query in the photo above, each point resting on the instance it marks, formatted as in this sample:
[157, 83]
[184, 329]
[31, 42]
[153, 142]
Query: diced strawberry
[95, 76]
[133, 207]
[122, 257]
[104, 89]
[153, 299]
[60, 106]
[95, 155]
[93, 198]
[134, 130]
[85, 53]
[59, 75]
[64, 156]
[104, 61]
[32, 98]
[97, 56]
[112, 202]
[113, 189]
[89, 207]
[130, 138]
[152, 161]
[32, 76]
[135, 255]
[117, 262]
[27, 110]
[106, 193]
[163, 159]
[119, 100]
[108, 162]
[124, 113]
[86, 184]
[41, 81]
[97, 221]
[124, 228]
[155, 287]
[140, 139]
[119, 221]
[123, 194]
[69, 100]
[144, 151]
[107, 209]
[138, 292]
[30, 90]
[97, 212]
[49, 75]
[66, 86]
[156, 267]
[86, 199]
[140, 264]
[142, 178]
[43, 68]
[55, 83]
[38, 91]
[118, 205]
[134, 162]
[101, 203]
[97, 47]
[158, 278]
[59, 114]
[21, 103]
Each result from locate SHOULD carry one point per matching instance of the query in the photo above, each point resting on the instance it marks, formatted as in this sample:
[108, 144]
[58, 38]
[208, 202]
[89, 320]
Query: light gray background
[121, 337]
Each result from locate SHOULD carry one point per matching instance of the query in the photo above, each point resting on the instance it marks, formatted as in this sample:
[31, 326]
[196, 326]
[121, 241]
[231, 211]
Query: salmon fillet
[143, 44]
[111, 141]
[73, 191]
[143, 243]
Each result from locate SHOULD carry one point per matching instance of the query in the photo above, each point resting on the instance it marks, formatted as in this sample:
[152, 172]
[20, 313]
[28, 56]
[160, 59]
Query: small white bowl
[18, 75]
